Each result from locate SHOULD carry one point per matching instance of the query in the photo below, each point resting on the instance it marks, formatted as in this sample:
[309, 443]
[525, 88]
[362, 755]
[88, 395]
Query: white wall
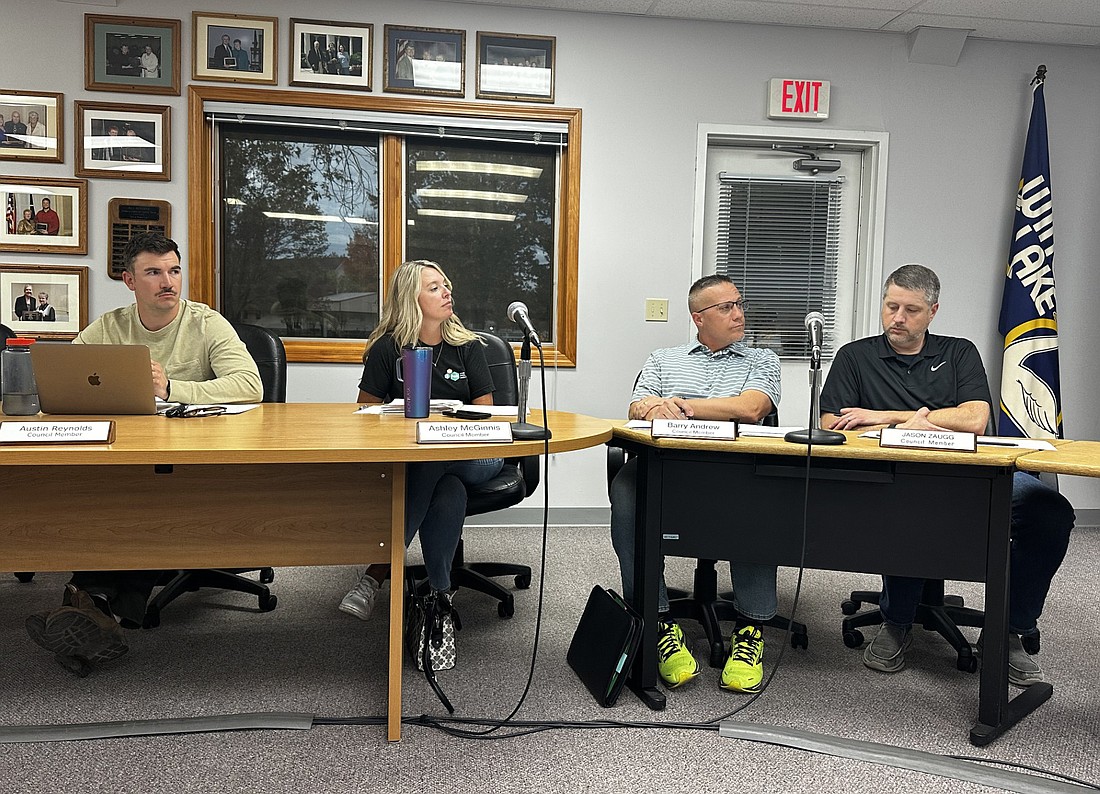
[956, 138]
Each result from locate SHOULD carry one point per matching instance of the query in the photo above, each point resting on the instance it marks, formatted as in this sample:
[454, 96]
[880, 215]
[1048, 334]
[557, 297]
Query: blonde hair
[401, 315]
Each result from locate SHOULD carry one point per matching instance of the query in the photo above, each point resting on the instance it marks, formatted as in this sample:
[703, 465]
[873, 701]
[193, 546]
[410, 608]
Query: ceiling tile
[1003, 30]
[773, 13]
[1067, 12]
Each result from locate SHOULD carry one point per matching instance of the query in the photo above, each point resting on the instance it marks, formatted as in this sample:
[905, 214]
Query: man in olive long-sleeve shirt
[197, 357]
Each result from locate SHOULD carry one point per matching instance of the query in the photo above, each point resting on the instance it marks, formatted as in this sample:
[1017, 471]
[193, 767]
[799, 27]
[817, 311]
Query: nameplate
[901, 438]
[57, 432]
[463, 432]
[694, 428]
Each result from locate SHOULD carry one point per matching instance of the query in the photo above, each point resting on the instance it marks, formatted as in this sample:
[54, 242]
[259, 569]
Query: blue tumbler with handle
[414, 369]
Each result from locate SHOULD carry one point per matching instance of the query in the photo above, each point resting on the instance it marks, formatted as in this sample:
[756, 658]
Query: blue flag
[1031, 402]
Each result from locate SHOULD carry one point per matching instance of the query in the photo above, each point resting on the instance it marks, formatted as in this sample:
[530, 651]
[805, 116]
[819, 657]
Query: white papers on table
[439, 407]
[754, 431]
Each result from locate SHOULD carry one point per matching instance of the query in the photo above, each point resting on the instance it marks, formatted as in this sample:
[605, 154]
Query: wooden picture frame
[331, 54]
[59, 215]
[129, 54]
[425, 61]
[235, 48]
[510, 66]
[31, 126]
[123, 141]
[66, 291]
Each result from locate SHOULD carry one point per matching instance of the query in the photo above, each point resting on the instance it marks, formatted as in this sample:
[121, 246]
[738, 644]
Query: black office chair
[936, 612]
[267, 350]
[704, 603]
[518, 478]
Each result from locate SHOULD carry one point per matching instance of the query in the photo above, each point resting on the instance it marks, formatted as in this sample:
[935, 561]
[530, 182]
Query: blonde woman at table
[420, 311]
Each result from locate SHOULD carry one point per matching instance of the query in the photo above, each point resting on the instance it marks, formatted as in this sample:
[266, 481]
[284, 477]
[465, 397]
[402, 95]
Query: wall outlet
[656, 310]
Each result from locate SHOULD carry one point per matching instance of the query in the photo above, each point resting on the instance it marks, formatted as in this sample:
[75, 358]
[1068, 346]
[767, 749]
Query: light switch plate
[656, 310]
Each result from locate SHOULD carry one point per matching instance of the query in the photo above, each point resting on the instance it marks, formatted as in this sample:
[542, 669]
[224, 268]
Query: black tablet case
[604, 645]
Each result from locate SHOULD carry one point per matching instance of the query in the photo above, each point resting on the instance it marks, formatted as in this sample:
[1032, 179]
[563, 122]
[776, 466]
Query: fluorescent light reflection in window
[472, 195]
[504, 169]
[480, 216]
[300, 216]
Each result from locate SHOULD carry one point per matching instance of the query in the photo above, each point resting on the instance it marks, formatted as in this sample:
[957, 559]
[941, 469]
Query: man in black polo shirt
[914, 379]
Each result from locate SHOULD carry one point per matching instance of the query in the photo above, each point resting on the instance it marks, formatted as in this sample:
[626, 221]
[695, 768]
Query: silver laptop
[93, 379]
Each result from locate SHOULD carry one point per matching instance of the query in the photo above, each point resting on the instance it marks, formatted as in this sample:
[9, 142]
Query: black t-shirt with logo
[458, 373]
[868, 373]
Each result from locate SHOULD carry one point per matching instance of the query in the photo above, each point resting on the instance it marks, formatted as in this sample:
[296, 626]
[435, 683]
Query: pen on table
[998, 444]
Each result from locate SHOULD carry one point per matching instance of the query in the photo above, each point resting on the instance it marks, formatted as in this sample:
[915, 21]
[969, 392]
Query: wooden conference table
[280, 485]
[932, 514]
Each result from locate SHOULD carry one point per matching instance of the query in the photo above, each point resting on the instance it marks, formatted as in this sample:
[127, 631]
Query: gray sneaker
[360, 599]
[1023, 670]
[887, 651]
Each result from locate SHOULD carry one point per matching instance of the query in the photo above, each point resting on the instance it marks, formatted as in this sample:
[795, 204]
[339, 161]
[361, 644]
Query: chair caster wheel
[506, 609]
[718, 655]
[523, 581]
[24, 576]
[268, 602]
[800, 641]
[853, 638]
[1030, 643]
[267, 575]
[849, 607]
[967, 663]
[152, 618]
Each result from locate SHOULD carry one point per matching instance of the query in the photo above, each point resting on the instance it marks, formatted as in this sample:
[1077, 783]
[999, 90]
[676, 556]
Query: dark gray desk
[942, 515]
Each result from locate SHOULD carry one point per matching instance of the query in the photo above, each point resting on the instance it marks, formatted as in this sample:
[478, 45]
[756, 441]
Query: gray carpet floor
[215, 654]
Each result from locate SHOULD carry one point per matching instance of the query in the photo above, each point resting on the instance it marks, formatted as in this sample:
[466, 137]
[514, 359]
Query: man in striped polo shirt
[716, 377]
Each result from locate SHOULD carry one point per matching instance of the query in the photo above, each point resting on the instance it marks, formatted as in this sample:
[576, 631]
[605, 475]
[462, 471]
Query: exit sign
[794, 98]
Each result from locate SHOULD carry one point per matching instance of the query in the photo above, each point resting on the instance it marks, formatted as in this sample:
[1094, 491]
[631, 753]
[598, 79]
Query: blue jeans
[754, 584]
[435, 504]
[1041, 522]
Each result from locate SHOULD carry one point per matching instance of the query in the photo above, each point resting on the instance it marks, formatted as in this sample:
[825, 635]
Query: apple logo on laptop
[93, 379]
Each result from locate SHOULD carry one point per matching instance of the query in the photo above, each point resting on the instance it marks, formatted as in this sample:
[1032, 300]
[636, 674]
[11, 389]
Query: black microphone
[517, 313]
[815, 326]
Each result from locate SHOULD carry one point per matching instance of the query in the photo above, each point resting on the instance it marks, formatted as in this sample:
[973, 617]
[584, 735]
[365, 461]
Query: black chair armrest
[529, 469]
[616, 459]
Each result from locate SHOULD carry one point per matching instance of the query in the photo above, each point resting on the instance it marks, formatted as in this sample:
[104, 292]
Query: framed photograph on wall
[47, 216]
[44, 301]
[30, 126]
[235, 48]
[123, 141]
[425, 61]
[510, 66]
[331, 54]
[128, 54]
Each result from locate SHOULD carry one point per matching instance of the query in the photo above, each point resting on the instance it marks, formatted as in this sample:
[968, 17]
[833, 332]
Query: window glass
[299, 231]
[485, 213]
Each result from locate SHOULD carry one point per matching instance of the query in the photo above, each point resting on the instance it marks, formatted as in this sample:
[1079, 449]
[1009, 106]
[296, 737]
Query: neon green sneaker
[744, 669]
[674, 661]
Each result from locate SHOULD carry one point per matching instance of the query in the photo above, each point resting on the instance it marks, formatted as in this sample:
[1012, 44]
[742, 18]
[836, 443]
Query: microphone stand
[814, 434]
[521, 428]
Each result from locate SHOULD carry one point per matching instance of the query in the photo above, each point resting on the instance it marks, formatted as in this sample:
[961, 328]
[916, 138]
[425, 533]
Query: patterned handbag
[430, 631]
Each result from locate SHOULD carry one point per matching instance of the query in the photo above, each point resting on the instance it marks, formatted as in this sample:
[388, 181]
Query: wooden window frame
[202, 217]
